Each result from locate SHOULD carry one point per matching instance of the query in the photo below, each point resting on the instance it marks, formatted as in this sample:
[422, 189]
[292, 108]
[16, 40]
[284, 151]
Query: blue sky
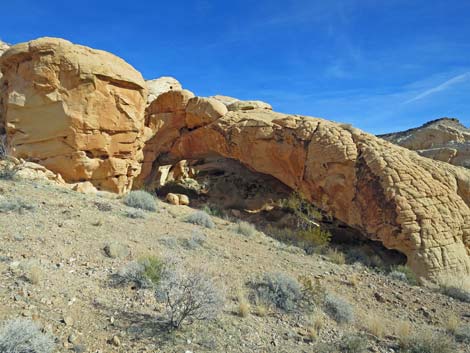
[380, 65]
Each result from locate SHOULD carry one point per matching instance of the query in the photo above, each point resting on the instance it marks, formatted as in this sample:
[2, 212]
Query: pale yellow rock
[172, 199]
[75, 110]
[161, 85]
[183, 199]
[248, 105]
[409, 203]
[85, 188]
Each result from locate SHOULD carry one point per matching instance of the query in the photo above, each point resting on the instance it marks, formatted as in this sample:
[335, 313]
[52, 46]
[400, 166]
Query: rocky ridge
[444, 139]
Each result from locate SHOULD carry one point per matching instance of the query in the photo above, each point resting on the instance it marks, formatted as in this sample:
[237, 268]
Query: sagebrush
[24, 336]
[338, 308]
[201, 218]
[279, 290]
[140, 199]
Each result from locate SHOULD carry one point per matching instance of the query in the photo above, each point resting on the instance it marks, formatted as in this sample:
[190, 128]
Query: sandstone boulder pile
[161, 85]
[75, 110]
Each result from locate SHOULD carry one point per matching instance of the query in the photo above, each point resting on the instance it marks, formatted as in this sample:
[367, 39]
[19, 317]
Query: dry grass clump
[452, 323]
[261, 310]
[34, 274]
[245, 228]
[375, 325]
[402, 331]
[457, 288]
[405, 274]
[429, 342]
[336, 256]
[243, 305]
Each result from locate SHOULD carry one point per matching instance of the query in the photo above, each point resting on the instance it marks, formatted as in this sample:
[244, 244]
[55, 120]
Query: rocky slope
[53, 269]
[80, 113]
[444, 139]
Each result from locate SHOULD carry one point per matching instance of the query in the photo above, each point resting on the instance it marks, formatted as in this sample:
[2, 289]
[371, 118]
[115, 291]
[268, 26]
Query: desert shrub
[312, 292]
[116, 250]
[15, 205]
[103, 207]
[452, 323]
[140, 199]
[24, 336]
[456, 288]
[245, 228]
[399, 271]
[8, 170]
[243, 305]
[280, 290]
[429, 342]
[338, 308]
[188, 295]
[135, 214]
[214, 211]
[196, 240]
[144, 273]
[335, 256]
[462, 334]
[310, 240]
[353, 343]
[169, 241]
[366, 256]
[200, 218]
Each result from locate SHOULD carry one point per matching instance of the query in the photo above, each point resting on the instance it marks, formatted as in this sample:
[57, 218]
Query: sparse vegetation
[279, 290]
[353, 343]
[462, 334]
[15, 205]
[144, 273]
[339, 309]
[8, 170]
[243, 305]
[140, 199]
[245, 228]
[116, 250]
[336, 256]
[452, 323]
[188, 295]
[429, 342]
[33, 274]
[135, 214]
[403, 331]
[404, 273]
[312, 291]
[375, 325]
[311, 240]
[24, 336]
[456, 288]
[196, 240]
[200, 218]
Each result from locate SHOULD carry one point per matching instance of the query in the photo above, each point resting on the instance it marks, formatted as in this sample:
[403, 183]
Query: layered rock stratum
[444, 139]
[408, 203]
[75, 110]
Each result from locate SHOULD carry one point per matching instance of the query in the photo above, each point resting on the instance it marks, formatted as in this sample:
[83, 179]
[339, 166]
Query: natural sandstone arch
[75, 110]
[391, 195]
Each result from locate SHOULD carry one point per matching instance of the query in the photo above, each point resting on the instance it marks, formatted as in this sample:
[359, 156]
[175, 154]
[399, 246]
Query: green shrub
[140, 199]
[280, 290]
[24, 336]
[338, 308]
[144, 273]
[409, 275]
[353, 343]
[201, 218]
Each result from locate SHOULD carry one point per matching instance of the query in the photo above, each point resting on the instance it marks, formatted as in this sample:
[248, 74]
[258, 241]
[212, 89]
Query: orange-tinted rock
[409, 203]
[75, 110]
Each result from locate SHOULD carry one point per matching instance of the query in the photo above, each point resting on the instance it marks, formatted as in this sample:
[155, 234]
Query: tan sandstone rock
[161, 85]
[248, 105]
[409, 203]
[75, 110]
[444, 139]
[172, 199]
[202, 111]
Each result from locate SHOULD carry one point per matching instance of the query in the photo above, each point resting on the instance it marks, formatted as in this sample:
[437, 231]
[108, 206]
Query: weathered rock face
[409, 203]
[444, 139]
[161, 85]
[75, 110]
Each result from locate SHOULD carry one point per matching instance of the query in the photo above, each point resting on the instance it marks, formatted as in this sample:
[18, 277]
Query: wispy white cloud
[442, 87]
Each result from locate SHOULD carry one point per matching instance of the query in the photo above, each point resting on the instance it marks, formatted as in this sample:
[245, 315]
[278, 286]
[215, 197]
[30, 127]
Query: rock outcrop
[409, 203]
[443, 139]
[161, 85]
[75, 110]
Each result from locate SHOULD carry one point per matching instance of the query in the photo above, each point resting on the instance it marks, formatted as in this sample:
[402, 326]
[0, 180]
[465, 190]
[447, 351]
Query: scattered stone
[116, 250]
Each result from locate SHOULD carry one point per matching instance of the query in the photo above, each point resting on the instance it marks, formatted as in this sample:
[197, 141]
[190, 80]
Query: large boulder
[392, 195]
[161, 85]
[444, 139]
[75, 110]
